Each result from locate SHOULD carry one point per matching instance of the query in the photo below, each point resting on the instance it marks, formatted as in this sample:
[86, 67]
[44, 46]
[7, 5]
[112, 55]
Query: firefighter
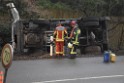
[74, 39]
[59, 35]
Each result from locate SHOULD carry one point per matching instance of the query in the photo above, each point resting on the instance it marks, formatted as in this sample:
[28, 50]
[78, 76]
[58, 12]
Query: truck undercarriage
[36, 33]
[26, 34]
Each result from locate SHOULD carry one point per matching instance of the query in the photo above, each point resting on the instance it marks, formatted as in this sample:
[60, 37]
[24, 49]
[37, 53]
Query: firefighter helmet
[58, 23]
[73, 23]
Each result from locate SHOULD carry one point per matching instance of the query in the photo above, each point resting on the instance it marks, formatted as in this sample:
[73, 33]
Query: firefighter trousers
[73, 50]
[59, 48]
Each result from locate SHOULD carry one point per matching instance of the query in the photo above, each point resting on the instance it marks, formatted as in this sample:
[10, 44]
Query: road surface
[80, 70]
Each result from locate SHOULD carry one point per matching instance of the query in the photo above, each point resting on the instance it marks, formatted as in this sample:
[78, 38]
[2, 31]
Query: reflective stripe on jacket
[60, 33]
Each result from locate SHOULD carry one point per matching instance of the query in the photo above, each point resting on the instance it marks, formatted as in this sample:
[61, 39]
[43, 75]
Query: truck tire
[91, 24]
[20, 37]
[104, 47]
[90, 19]
[83, 50]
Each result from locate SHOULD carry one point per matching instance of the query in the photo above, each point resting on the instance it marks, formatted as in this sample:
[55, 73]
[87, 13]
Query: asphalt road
[80, 70]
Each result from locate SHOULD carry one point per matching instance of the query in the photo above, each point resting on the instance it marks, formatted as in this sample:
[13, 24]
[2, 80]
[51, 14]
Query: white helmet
[70, 45]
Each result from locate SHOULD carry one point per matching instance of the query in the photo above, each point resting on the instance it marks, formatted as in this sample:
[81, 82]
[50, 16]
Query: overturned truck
[27, 34]
[36, 33]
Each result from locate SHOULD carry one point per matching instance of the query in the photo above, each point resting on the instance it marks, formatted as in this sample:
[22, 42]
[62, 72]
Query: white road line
[85, 78]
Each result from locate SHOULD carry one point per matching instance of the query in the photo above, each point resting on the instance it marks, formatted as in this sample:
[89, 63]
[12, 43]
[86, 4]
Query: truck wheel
[90, 19]
[91, 24]
[82, 49]
[20, 37]
[104, 47]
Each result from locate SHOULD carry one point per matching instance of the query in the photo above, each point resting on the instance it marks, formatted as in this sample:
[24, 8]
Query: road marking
[85, 78]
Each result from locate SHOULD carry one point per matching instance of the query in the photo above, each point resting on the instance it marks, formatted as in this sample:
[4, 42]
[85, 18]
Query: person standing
[74, 39]
[59, 35]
